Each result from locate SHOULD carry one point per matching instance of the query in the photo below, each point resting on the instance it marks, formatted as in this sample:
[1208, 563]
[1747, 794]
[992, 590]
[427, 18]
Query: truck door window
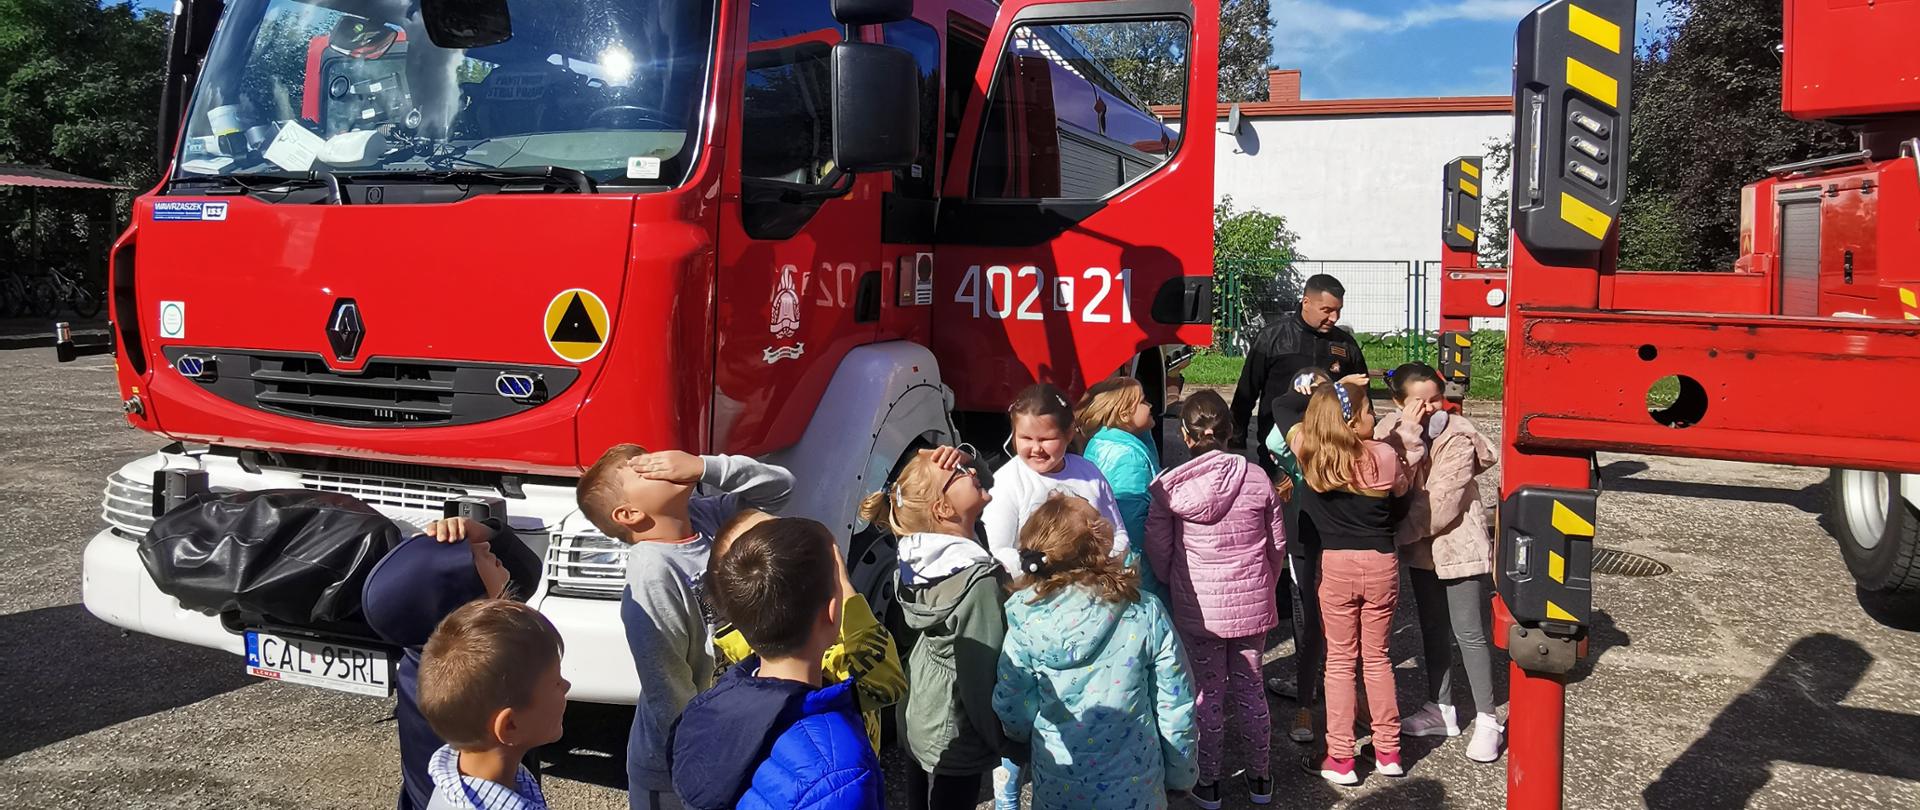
[919, 39]
[1070, 114]
[965, 45]
[786, 116]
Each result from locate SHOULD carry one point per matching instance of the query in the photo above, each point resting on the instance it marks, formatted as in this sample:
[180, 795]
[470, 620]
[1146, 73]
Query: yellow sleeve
[729, 647]
[866, 654]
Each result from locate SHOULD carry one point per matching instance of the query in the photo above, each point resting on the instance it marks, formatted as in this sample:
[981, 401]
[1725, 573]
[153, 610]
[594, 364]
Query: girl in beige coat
[1446, 543]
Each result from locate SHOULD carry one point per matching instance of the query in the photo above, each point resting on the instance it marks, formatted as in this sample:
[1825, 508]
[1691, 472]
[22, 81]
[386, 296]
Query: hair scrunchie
[1033, 562]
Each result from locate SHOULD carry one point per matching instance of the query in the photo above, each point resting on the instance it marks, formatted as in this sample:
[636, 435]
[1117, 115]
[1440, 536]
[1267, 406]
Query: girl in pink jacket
[1446, 543]
[1216, 541]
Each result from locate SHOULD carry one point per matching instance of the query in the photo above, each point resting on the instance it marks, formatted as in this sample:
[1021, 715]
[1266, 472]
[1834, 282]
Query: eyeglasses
[958, 471]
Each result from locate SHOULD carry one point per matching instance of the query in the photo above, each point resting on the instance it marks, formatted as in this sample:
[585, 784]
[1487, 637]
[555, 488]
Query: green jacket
[954, 629]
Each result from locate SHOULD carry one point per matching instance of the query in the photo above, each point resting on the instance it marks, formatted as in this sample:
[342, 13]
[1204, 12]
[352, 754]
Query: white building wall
[1359, 188]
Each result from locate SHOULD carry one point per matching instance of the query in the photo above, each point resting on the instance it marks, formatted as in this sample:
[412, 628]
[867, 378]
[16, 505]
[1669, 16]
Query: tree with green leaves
[1706, 121]
[1148, 58]
[79, 92]
[1254, 280]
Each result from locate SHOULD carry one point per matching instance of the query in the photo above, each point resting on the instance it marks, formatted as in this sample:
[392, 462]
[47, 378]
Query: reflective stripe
[1593, 28]
[1583, 216]
[1467, 168]
[1468, 187]
[1584, 78]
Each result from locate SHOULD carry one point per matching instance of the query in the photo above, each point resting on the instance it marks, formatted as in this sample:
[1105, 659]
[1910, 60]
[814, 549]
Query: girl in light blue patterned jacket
[1092, 677]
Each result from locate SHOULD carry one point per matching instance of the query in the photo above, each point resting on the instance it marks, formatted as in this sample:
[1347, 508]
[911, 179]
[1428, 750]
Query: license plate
[326, 664]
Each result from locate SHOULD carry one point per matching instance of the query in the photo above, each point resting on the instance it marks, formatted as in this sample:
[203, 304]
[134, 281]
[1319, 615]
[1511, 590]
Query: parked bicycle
[75, 295]
[22, 297]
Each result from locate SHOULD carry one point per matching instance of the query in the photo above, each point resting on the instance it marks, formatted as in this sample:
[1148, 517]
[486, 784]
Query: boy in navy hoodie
[769, 735]
[647, 501]
[420, 582]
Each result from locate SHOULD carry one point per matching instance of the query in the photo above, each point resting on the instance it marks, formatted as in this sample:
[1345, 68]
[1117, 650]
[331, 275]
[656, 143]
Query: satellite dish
[1233, 119]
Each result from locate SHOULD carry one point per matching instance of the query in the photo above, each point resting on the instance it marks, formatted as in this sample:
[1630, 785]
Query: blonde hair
[486, 656]
[1108, 404]
[1330, 451]
[598, 491]
[1066, 542]
[907, 506]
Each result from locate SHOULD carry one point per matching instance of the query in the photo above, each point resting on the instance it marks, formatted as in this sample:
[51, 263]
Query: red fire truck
[1807, 355]
[414, 252]
[1827, 237]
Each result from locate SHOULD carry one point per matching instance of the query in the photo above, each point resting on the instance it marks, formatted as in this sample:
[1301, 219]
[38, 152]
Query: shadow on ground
[115, 677]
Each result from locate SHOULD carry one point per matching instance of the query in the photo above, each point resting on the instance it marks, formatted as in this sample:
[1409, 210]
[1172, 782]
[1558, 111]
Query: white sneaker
[1488, 735]
[1433, 720]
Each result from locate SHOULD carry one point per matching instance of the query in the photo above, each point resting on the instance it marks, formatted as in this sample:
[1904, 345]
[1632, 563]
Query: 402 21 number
[991, 292]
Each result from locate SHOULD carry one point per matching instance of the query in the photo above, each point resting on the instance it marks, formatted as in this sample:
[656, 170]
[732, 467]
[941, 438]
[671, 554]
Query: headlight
[589, 565]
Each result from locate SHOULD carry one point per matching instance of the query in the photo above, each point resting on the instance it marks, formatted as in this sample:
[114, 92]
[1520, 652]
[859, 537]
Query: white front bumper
[116, 588]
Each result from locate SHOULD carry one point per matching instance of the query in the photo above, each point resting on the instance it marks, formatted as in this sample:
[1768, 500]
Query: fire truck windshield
[611, 88]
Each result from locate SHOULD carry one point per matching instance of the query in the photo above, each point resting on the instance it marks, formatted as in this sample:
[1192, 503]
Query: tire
[43, 301]
[84, 302]
[1878, 531]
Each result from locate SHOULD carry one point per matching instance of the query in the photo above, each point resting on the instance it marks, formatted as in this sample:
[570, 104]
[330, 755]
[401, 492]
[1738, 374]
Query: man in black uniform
[1272, 378]
[1283, 350]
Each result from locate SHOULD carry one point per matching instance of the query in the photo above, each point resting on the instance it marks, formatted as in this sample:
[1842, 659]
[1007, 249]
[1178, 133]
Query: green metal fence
[1387, 303]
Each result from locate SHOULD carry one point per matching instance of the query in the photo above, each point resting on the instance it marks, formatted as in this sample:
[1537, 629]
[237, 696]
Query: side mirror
[460, 24]
[876, 107]
[871, 12]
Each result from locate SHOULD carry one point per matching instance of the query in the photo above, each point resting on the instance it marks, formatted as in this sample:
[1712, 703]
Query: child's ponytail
[1206, 422]
[877, 507]
[1066, 542]
[906, 506]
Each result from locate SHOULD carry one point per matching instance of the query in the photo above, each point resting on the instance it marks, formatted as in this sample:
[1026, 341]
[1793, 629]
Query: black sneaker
[1206, 795]
[1260, 789]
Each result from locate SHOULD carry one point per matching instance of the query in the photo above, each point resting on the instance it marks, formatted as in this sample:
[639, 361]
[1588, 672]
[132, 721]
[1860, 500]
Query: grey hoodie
[955, 625]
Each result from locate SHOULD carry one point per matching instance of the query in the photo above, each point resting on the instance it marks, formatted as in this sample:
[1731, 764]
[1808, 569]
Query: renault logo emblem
[345, 329]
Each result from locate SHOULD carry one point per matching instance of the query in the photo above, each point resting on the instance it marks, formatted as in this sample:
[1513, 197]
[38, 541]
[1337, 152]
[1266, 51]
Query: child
[646, 500]
[772, 733]
[864, 653]
[1303, 569]
[1448, 547]
[1091, 675]
[950, 592]
[1216, 536]
[1351, 480]
[490, 685]
[419, 583]
[1112, 420]
[1042, 464]
[1043, 433]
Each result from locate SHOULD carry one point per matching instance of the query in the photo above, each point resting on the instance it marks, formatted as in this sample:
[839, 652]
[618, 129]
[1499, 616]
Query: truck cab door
[1077, 224]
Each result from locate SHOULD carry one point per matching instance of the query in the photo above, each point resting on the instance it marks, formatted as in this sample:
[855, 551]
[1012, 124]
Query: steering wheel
[647, 115]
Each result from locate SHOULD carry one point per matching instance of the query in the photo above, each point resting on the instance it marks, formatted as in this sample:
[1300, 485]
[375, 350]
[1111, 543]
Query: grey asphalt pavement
[1747, 677]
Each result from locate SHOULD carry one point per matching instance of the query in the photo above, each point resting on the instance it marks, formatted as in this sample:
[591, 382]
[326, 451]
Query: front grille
[387, 492]
[385, 392]
[127, 506]
[589, 565]
[388, 392]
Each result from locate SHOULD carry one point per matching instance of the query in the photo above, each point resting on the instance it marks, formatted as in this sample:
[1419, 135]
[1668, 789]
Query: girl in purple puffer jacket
[1216, 540]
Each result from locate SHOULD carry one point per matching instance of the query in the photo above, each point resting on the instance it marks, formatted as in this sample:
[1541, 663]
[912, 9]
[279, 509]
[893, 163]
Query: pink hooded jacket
[1216, 538]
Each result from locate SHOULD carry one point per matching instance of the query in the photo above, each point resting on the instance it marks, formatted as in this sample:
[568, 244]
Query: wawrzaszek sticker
[189, 212]
[173, 319]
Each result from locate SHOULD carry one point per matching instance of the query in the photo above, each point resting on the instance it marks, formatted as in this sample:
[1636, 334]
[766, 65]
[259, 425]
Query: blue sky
[1387, 48]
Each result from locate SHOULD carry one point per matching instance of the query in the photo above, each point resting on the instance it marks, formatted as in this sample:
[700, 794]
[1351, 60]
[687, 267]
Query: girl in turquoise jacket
[1113, 420]
[1092, 677]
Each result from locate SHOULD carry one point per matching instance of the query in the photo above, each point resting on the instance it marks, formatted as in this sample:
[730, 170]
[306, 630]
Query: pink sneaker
[1337, 771]
[1388, 764]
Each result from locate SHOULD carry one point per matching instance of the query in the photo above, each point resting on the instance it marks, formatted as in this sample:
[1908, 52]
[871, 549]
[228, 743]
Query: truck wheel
[1878, 531]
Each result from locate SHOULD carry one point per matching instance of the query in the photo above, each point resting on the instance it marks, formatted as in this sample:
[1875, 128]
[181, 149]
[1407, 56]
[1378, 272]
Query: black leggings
[942, 791]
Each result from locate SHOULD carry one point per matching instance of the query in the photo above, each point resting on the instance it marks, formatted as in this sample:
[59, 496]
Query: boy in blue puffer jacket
[769, 736]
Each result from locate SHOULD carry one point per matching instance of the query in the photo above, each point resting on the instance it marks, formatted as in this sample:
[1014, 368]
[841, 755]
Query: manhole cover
[1627, 564]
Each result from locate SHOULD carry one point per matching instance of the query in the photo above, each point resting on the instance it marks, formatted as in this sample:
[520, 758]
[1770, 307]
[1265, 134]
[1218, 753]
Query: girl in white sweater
[1043, 432]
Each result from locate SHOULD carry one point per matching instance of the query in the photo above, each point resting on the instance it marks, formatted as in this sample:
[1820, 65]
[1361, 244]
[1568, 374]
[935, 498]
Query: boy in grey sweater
[647, 500]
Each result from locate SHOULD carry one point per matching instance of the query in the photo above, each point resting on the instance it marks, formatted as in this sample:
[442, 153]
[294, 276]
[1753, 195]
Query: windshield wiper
[575, 179]
[249, 183]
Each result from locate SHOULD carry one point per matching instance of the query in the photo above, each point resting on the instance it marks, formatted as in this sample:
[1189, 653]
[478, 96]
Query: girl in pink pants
[1352, 482]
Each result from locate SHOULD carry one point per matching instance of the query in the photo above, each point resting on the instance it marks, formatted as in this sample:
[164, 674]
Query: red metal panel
[1780, 390]
[1669, 291]
[1850, 58]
